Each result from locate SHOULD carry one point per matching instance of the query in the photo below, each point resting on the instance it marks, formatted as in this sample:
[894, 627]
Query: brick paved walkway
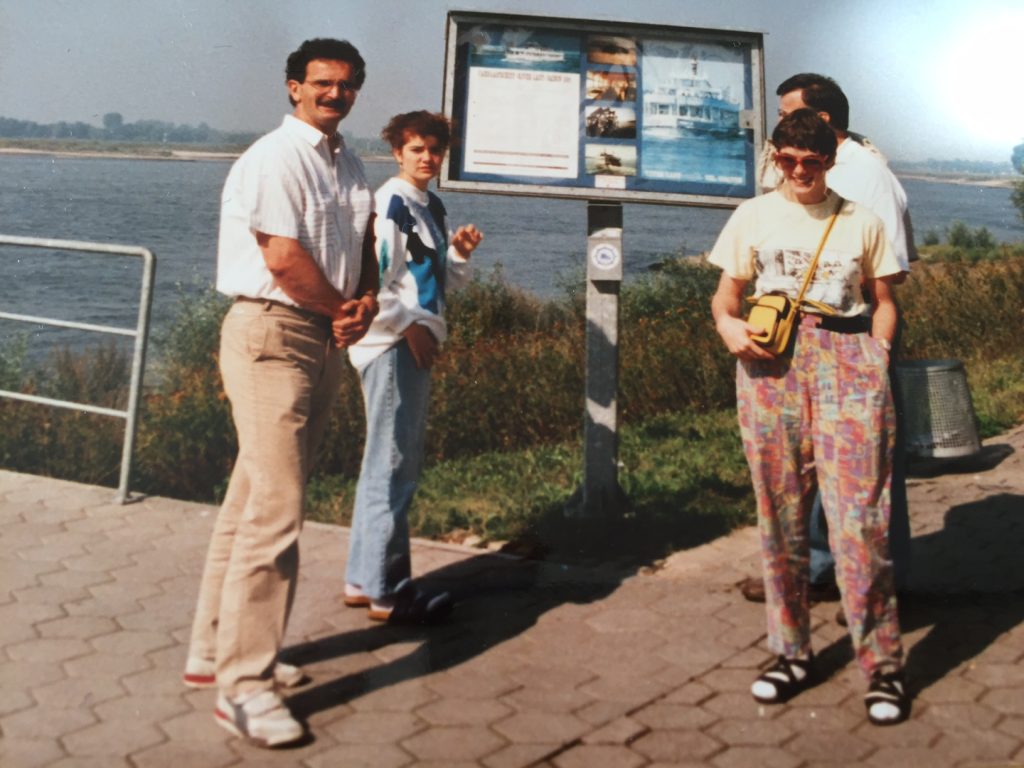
[541, 665]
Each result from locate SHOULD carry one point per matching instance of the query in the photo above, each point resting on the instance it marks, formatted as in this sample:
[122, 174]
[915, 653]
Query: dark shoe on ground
[411, 606]
[261, 719]
[783, 680]
[753, 590]
[886, 700]
[200, 673]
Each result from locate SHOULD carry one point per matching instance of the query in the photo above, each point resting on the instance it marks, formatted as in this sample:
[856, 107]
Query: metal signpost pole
[601, 494]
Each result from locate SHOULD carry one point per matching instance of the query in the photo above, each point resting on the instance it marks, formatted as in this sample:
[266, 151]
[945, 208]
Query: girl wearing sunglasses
[821, 413]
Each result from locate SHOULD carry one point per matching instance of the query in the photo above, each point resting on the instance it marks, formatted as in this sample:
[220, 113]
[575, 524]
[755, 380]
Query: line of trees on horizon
[115, 128]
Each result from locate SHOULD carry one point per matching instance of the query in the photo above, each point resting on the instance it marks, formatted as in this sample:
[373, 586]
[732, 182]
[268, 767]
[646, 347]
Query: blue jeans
[396, 394]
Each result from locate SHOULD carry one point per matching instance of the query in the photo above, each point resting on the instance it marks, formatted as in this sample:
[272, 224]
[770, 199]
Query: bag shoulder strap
[817, 254]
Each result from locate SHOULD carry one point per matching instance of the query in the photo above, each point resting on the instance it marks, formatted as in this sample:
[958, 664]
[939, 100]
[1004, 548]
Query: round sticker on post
[605, 256]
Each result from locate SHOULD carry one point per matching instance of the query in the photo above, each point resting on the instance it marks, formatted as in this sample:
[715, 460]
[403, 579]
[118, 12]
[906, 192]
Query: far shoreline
[181, 155]
[189, 155]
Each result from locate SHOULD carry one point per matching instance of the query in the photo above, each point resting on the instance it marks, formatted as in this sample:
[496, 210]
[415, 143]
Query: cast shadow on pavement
[497, 598]
[977, 591]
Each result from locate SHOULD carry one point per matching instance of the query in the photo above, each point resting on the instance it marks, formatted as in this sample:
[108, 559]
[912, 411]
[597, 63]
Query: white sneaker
[201, 673]
[260, 718]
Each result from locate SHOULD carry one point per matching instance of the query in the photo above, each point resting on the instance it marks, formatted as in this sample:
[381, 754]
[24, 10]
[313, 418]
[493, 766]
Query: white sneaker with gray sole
[201, 673]
[260, 718]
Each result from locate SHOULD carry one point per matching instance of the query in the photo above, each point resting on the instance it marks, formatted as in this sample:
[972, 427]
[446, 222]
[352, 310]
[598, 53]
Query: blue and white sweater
[417, 267]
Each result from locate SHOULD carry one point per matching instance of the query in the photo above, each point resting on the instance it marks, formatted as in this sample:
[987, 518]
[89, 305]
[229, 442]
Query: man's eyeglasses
[345, 86]
[811, 163]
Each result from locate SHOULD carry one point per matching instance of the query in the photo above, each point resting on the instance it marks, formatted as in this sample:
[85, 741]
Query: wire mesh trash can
[938, 415]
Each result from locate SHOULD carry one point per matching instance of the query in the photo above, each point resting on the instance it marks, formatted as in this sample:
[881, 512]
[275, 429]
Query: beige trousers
[281, 373]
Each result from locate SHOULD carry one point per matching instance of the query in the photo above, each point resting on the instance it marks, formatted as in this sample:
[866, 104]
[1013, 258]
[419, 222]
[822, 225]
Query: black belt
[858, 324]
[322, 321]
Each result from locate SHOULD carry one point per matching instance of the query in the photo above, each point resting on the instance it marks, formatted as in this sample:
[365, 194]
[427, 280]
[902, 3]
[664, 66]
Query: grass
[503, 443]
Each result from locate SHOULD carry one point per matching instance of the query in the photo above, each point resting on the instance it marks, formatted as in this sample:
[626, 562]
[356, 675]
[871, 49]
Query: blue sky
[926, 78]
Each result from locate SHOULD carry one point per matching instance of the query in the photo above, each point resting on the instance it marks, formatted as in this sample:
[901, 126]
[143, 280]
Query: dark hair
[821, 93]
[324, 48]
[422, 122]
[805, 129]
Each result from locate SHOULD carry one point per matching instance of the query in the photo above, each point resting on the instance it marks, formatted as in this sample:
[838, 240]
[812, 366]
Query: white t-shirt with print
[772, 241]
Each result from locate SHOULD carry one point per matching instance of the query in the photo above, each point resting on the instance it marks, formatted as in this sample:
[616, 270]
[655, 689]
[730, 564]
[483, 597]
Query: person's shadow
[972, 588]
[497, 599]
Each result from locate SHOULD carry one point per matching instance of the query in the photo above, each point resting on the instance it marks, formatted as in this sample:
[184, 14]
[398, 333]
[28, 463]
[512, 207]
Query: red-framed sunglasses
[811, 163]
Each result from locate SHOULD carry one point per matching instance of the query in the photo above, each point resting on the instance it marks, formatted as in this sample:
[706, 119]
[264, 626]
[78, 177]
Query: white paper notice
[522, 123]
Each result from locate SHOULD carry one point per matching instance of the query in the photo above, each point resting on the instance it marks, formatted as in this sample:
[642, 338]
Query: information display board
[602, 110]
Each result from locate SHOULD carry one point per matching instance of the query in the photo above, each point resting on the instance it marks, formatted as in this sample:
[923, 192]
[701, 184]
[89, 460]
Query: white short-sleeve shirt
[289, 183]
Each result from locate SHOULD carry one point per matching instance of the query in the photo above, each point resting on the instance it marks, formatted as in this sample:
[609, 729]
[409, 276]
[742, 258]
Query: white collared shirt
[290, 184]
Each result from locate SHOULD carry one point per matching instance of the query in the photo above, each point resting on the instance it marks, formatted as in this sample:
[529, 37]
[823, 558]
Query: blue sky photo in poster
[507, 47]
[693, 94]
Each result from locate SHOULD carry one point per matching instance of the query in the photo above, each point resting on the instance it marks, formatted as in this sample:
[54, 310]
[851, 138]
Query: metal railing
[140, 333]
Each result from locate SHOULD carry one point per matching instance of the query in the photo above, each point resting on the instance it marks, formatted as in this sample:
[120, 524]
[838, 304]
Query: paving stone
[828, 745]
[15, 700]
[978, 746]
[546, 700]
[518, 756]
[79, 627]
[28, 753]
[452, 744]
[552, 678]
[362, 756]
[814, 719]
[112, 738]
[912, 733]
[598, 713]
[105, 666]
[626, 689]
[959, 716]
[150, 709]
[404, 697]
[48, 650]
[754, 733]
[541, 727]
[622, 730]
[907, 757]
[674, 746]
[1013, 726]
[761, 756]
[132, 643]
[1005, 700]
[664, 715]
[598, 756]
[39, 723]
[997, 675]
[453, 711]
[185, 726]
[184, 754]
[376, 727]
[690, 693]
[468, 684]
[72, 693]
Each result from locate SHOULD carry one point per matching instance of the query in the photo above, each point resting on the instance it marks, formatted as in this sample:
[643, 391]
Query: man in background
[860, 174]
[296, 253]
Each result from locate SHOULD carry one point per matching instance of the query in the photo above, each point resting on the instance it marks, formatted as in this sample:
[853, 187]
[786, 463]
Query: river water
[171, 207]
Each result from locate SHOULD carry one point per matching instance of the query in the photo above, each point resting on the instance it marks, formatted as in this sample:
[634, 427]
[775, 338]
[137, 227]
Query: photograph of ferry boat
[610, 159]
[523, 48]
[611, 86]
[611, 49]
[690, 125]
[610, 122]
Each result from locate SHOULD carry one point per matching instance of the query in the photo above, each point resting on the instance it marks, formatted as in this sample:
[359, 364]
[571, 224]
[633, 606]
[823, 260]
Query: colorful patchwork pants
[824, 417]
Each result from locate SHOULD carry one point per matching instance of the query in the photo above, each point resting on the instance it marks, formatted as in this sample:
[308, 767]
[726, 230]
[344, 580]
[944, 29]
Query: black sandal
[786, 677]
[887, 689]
